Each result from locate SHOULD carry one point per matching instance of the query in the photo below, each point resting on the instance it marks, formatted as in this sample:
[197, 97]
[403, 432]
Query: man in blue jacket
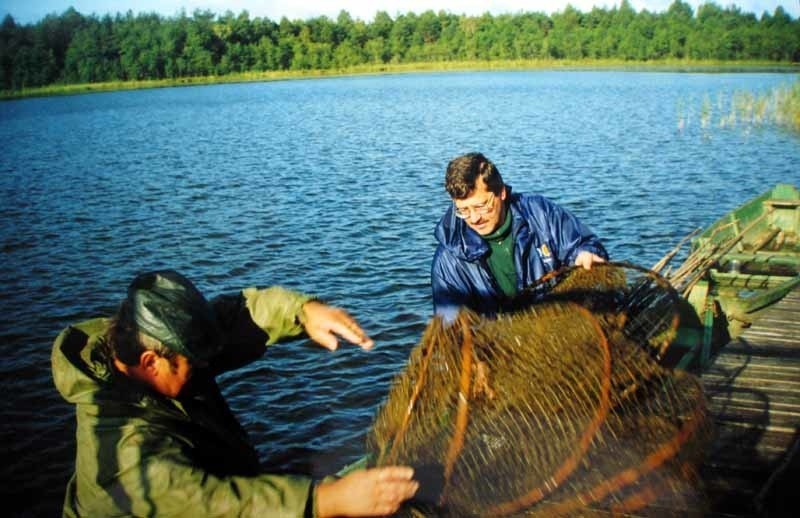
[493, 243]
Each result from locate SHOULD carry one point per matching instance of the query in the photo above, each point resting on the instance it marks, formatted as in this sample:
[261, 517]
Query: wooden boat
[740, 333]
[739, 266]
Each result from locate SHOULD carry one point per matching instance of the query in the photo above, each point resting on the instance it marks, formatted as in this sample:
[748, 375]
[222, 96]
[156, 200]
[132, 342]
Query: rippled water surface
[330, 186]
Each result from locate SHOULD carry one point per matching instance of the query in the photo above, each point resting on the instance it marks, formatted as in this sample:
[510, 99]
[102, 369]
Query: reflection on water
[330, 186]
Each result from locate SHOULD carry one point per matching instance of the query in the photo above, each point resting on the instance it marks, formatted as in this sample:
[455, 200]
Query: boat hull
[752, 260]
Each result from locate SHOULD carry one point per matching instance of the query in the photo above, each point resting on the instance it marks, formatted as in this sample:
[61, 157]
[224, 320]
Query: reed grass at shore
[746, 110]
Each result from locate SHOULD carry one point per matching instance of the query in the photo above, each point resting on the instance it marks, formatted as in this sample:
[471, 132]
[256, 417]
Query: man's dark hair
[463, 173]
[124, 341]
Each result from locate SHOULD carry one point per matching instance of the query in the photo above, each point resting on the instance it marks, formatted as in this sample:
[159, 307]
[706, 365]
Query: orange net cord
[572, 461]
[665, 452]
[462, 415]
[392, 457]
[648, 495]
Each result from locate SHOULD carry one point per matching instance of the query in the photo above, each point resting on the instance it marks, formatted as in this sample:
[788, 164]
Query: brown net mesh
[558, 407]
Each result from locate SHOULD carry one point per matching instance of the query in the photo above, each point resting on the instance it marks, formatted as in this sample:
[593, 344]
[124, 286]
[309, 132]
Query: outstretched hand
[587, 259]
[324, 323]
[371, 492]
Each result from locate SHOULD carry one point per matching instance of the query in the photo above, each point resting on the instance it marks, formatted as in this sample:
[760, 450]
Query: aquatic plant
[745, 110]
[788, 106]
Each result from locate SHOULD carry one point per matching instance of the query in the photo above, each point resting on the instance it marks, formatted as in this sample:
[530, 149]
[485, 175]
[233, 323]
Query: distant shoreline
[449, 66]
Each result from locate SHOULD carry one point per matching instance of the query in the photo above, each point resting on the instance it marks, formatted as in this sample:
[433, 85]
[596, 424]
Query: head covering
[168, 307]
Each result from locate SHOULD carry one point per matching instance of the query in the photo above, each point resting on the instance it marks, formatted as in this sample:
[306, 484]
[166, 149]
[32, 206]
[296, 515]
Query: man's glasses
[483, 208]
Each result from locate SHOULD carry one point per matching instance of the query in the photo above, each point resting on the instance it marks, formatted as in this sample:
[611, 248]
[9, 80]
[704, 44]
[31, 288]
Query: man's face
[482, 211]
[173, 375]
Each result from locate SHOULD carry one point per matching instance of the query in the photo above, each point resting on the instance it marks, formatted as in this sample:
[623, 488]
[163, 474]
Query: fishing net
[558, 407]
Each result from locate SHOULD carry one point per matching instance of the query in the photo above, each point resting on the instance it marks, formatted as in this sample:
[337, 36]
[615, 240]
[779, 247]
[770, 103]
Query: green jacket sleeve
[252, 319]
[153, 477]
[276, 311]
[178, 488]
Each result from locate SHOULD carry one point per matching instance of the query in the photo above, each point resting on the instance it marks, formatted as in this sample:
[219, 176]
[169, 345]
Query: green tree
[451, 40]
[565, 38]
[679, 22]
[780, 37]
[203, 47]
[348, 54]
[10, 35]
[140, 46]
[54, 34]
[173, 43]
[93, 54]
[32, 67]
[402, 36]
[381, 26]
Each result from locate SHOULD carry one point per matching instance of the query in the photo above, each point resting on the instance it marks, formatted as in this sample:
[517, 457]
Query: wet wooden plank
[736, 441]
[753, 390]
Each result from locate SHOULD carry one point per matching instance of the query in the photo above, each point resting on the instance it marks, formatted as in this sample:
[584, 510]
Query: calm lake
[333, 187]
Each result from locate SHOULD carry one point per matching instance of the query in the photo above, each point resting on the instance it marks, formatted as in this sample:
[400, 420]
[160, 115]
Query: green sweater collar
[503, 230]
[501, 257]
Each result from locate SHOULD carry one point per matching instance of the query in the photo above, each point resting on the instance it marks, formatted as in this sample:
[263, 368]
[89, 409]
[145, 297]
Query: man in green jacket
[155, 436]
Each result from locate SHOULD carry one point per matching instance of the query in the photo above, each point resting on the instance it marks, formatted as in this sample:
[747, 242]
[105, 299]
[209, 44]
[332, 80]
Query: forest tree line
[75, 48]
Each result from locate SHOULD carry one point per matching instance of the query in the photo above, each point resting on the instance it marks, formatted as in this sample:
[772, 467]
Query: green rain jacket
[140, 453]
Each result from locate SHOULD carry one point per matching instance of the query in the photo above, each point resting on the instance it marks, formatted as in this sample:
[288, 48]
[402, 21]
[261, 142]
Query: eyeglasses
[483, 208]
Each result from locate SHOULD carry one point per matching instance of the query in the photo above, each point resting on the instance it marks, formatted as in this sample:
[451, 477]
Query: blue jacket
[546, 237]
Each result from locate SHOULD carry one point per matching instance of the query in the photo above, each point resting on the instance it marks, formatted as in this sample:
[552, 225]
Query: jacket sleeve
[448, 294]
[277, 311]
[164, 482]
[571, 235]
[253, 319]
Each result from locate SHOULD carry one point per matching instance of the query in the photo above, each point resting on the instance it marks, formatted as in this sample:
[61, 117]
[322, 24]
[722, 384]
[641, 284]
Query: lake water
[330, 186]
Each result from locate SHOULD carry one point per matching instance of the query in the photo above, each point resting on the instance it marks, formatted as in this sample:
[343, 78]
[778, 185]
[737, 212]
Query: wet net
[559, 407]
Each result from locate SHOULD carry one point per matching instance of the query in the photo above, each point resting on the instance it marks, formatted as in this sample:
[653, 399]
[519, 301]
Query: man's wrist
[301, 318]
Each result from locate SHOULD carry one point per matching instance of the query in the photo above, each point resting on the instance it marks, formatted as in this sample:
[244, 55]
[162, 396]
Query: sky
[31, 11]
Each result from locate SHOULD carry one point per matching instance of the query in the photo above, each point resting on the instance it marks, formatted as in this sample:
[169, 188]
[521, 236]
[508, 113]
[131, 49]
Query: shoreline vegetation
[707, 66]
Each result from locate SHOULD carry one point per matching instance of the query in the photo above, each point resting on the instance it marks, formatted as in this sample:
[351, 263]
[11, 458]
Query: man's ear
[503, 194]
[148, 362]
